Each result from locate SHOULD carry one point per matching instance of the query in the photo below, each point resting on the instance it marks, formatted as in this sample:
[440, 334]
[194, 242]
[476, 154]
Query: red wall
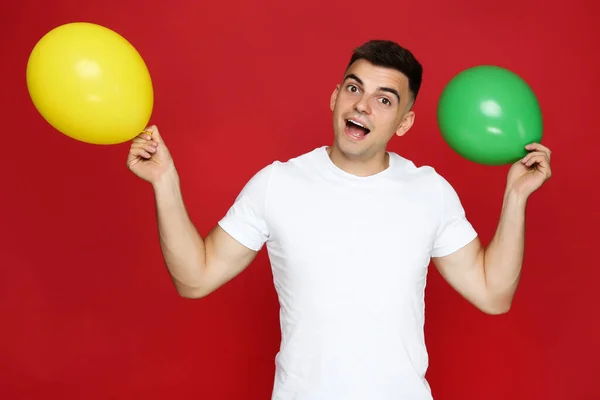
[88, 310]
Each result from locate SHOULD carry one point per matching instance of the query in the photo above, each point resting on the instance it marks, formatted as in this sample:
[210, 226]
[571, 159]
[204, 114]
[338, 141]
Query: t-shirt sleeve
[245, 220]
[455, 231]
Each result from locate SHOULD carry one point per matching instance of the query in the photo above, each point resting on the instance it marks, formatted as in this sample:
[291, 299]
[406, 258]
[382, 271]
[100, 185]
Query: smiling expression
[370, 106]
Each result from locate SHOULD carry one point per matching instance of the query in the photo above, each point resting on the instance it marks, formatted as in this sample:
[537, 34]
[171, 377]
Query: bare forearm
[181, 244]
[504, 255]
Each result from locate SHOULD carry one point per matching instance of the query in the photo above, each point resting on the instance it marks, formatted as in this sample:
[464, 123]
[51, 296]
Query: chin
[348, 147]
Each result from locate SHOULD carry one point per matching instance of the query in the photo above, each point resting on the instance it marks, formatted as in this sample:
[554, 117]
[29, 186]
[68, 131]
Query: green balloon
[488, 114]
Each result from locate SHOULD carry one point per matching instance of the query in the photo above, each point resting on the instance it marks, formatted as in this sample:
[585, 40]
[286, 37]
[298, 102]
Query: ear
[334, 96]
[406, 123]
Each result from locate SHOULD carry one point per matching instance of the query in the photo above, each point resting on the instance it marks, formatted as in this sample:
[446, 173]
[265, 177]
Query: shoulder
[424, 175]
[286, 169]
[303, 160]
[428, 185]
[296, 166]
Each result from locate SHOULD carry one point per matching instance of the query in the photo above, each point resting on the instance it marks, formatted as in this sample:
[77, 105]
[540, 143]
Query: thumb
[155, 133]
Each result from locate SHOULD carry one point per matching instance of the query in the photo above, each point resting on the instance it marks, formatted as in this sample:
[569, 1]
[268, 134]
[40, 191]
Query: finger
[528, 157]
[144, 142]
[143, 137]
[144, 147]
[150, 147]
[146, 137]
[538, 147]
[153, 131]
[140, 152]
[540, 159]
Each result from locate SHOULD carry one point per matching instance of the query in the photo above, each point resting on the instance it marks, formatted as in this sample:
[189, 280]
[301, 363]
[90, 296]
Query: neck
[362, 165]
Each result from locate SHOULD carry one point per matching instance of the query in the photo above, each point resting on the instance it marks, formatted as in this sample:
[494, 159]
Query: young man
[350, 230]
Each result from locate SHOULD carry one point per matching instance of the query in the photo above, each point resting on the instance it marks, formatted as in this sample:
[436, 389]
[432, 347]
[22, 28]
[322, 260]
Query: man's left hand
[531, 172]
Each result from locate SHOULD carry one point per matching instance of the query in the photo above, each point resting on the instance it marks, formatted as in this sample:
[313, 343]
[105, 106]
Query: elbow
[498, 307]
[496, 310]
[192, 288]
[192, 293]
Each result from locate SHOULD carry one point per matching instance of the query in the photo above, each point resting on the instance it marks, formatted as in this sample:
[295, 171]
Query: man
[350, 230]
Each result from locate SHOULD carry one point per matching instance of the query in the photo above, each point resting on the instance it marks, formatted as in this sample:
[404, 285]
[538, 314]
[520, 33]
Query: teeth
[356, 123]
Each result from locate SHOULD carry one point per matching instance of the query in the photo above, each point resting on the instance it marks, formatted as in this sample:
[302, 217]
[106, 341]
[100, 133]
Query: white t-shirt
[349, 257]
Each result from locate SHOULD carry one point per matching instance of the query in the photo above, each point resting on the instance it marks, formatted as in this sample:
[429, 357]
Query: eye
[352, 88]
[385, 101]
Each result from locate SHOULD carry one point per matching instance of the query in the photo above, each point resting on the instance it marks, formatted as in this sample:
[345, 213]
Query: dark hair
[385, 53]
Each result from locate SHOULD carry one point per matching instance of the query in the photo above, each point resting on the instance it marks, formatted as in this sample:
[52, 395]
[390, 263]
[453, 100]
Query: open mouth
[356, 129]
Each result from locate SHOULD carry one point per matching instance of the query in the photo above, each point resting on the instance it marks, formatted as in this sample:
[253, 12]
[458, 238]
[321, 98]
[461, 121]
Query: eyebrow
[383, 89]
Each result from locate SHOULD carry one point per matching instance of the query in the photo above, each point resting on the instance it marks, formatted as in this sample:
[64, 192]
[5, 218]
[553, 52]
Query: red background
[88, 310]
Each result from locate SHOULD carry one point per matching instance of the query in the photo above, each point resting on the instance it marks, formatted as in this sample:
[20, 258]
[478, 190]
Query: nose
[362, 105]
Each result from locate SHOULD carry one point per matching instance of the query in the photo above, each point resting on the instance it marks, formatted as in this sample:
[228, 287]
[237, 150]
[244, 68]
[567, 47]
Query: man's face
[370, 107]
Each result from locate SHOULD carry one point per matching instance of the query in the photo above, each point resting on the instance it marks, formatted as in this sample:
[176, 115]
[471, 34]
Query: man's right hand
[197, 266]
[149, 157]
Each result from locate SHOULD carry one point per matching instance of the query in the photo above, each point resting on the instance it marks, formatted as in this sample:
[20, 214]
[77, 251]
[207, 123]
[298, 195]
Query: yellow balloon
[90, 83]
